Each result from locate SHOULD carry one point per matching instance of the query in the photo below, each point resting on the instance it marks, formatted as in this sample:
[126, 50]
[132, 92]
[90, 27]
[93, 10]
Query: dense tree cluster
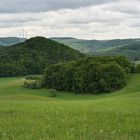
[90, 75]
[32, 56]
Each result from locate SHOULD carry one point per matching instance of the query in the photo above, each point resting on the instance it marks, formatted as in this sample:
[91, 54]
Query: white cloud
[120, 19]
[18, 6]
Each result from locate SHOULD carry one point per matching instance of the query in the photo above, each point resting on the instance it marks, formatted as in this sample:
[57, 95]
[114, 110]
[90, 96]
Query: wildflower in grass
[72, 129]
[4, 134]
[112, 132]
[101, 131]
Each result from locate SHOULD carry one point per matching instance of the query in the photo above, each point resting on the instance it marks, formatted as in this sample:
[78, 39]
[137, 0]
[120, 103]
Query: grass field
[27, 114]
[137, 62]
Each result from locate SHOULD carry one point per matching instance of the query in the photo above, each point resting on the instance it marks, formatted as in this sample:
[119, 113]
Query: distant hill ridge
[93, 47]
[106, 47]
[8, 41]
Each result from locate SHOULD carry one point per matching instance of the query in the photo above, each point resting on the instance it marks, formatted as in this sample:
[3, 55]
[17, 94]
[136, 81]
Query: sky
[85, 19]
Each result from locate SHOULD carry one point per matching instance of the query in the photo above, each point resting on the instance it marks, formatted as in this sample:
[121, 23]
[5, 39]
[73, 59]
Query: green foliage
[113, 77]
[53, 93]
[11, 69]
[97, 74]
[131, 51]
[33, 77]
[32, 56]
[138, 68]
[33, 85]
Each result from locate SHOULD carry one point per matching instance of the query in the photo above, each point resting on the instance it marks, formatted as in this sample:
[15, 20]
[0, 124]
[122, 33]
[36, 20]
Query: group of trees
[11, 69]
[90, 75]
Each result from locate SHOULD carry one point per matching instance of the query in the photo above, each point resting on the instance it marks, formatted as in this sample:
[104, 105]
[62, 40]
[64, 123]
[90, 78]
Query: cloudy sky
[89, 19]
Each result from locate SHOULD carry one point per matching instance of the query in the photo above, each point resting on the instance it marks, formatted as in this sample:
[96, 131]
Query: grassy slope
[137, 62]
[30, 115]
[130, 51]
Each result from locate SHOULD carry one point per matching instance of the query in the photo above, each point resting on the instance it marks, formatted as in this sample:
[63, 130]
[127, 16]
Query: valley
[70, 70]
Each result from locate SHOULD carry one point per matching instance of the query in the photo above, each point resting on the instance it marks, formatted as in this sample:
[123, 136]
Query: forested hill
[33, 55]
[93, 46]
[130, 51]
[8, 41]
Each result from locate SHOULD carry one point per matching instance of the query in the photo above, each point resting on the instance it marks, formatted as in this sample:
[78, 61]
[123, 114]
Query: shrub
[33, 85]
[138, 68]
[52, 93]
[133, 68]
[33, 77]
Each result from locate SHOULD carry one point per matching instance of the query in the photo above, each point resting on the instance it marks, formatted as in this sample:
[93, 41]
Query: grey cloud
[87, 21]
[106, 18]
[19, 6]
[14, 20]
[134, 23]
[128, 10]
[126, 7]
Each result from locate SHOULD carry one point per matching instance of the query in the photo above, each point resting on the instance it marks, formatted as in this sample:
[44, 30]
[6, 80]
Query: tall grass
[27, 114]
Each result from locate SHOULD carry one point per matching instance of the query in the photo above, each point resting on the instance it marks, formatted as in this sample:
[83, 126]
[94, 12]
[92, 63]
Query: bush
[133, 68]
[33, 77]
[138, 68]
[52, 93]
[33, 85]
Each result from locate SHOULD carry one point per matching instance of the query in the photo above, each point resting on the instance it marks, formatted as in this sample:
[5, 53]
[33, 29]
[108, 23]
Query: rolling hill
[98, 47]
[8, 41]
[33, 55]
[130, 51]
[92, 47]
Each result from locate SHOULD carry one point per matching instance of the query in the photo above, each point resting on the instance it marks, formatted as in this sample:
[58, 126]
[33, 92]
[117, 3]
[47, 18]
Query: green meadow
[137, 62]
[27, 114]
